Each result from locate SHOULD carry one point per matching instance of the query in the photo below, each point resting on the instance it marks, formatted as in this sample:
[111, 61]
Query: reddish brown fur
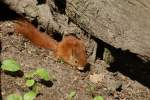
[70, 49]
[37, 37]
[73, 51]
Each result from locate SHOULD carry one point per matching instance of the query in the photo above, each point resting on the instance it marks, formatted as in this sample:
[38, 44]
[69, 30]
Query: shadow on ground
[6, 13]
[127, 63]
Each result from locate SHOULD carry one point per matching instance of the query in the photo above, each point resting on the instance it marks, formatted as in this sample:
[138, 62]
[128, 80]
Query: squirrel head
[72, 51]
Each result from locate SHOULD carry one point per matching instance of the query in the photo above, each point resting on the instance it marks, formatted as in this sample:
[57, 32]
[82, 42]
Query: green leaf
[36, 88]
[14, 97]
[71, 95]
[29, 75]
[29, 96]
[42, 73]
[98, 98]
[10, 65]
[30, 82]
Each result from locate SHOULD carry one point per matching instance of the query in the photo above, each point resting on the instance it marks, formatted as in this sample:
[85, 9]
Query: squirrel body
[70, 49]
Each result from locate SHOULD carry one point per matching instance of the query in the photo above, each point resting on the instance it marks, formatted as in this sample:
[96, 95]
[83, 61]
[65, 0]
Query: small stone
[95, 78]
[114, 85]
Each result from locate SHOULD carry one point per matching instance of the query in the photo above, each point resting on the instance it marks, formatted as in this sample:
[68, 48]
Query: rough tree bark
[123, 24]
[32, 10]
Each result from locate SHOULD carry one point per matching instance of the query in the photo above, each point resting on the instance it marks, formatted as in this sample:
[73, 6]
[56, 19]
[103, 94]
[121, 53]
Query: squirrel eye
[76, 61]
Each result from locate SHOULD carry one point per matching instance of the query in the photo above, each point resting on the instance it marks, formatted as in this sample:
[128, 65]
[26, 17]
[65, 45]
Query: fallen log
[123, 24]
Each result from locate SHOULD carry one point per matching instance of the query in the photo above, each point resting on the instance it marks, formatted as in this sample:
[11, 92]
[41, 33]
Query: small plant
[10, 65]
[39, 73]
[31, 79]
[14, 96]
[30, 82]
[71, 95]
[107, 56]
[98, 98]
[29, 95]
[43, 74]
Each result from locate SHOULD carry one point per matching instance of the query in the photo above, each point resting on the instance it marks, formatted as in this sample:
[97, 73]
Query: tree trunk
[123, 24]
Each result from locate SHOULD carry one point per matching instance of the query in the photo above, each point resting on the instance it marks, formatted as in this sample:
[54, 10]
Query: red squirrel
[70, 49]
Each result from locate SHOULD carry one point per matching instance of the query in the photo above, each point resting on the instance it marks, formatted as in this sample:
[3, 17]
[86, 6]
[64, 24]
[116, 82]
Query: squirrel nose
[80, 68]
[85, 68]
